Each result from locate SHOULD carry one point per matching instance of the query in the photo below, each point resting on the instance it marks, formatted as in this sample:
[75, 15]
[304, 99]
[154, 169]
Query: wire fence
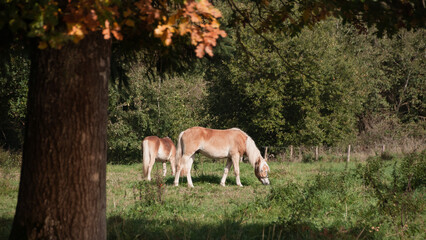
[350, 152]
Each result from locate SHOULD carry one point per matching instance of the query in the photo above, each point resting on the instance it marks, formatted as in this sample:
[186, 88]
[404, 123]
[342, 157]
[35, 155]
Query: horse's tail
[146, 157]
[179, 151]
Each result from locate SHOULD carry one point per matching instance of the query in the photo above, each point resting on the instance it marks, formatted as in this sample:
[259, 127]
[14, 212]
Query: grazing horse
[230, 143]
[161, 149]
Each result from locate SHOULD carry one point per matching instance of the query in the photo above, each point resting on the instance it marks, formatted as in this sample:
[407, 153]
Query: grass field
[321, 200]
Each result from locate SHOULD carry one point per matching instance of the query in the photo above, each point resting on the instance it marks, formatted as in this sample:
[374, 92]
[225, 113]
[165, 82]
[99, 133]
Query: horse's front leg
[225, 173]
[184, 163]
[180, 164]
[151, 165]
[235, 161]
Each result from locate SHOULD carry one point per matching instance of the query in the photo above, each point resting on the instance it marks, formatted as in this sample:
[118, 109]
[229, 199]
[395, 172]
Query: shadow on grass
[207, 178]
[5, 227]
[142, 228]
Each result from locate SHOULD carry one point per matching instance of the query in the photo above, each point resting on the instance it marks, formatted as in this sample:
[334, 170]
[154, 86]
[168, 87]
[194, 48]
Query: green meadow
[375, 199]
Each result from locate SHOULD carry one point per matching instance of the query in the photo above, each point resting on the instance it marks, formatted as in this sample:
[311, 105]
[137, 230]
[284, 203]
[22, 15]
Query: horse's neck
[252, 152]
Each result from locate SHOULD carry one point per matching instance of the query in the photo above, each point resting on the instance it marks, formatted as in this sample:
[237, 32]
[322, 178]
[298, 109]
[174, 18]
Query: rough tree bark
[63, 178]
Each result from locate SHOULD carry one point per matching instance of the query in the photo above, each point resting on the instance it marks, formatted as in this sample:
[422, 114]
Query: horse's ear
[266, 154]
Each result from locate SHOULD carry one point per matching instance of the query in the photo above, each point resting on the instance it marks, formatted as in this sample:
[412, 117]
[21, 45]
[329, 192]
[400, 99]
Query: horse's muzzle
[265, 181]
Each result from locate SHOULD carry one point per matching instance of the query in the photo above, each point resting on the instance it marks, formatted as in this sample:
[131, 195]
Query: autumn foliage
[199, 19]
[56, 22]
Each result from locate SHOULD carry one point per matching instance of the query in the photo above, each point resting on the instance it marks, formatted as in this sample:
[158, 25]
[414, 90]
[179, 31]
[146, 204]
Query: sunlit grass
[338, 205]
[229, 211]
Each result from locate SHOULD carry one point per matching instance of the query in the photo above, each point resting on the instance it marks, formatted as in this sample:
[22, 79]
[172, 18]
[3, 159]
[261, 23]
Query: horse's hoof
[191, 186]
[222, 184]
[240, 185]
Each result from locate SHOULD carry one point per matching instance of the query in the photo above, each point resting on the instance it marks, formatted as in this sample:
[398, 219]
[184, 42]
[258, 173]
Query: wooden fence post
[291, 152]
[266, 153]
[383, 148]
[316, 153]
[349, 153]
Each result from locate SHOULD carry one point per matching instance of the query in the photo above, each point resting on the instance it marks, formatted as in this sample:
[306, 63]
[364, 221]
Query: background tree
[155, 105]
[404, 74]
[312, 88]
[308, 93]
[394, 108]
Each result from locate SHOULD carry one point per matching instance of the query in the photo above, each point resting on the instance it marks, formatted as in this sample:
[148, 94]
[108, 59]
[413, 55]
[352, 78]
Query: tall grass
[317, 200]
[320, 200]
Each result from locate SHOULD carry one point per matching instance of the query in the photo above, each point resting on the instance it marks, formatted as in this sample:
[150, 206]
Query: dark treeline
[327, 85]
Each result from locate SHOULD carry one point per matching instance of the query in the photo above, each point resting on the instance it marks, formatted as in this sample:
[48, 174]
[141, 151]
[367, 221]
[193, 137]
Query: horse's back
[208, 133]
[168, 146]
[209, 140]
[151, 139]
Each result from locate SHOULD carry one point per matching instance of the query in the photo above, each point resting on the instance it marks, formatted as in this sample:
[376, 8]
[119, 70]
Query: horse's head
[261, 169]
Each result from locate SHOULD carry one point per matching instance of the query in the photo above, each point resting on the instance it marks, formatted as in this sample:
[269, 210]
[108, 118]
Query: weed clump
[150, 193]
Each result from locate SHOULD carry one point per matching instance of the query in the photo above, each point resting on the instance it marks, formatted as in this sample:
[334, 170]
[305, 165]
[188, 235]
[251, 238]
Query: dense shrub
[392, 205]
[412, 172]
[399, 190]
[322, 201]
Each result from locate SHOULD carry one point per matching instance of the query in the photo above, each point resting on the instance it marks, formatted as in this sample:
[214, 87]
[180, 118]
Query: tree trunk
[63, 178]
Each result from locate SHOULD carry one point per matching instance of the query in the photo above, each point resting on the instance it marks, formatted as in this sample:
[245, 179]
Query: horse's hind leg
[188, 168]
[225, 173]
[151, 165]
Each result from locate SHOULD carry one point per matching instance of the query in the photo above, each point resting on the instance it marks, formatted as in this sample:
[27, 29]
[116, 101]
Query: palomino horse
[231, 143]
[161, 149]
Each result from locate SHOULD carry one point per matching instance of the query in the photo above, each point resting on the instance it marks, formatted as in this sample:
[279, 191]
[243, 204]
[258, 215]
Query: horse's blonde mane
[252, 151]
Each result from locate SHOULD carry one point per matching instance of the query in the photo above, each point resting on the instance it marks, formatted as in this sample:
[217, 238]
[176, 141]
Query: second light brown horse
[158, 149]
